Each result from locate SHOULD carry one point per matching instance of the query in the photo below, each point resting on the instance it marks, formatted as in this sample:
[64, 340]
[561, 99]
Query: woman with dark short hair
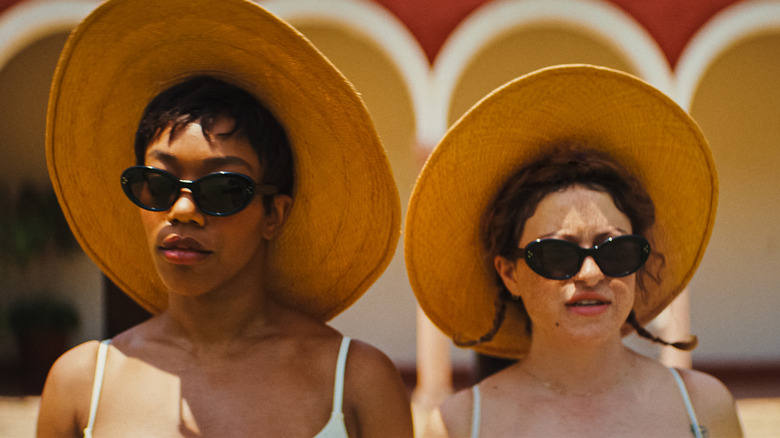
[255, 204]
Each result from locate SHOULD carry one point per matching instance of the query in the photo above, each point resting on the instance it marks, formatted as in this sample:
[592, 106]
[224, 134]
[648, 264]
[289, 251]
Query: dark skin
[177, 391]
[224, 359]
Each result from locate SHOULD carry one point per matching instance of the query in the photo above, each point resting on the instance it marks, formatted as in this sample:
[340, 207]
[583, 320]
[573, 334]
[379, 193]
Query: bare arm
[66, 395]
[713, 403]
[375, 394]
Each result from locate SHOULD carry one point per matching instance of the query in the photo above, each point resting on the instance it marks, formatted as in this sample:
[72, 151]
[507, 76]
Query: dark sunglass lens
[223, 193]
[622, 255]
[554, 259]
[148, 188]
[156, 190]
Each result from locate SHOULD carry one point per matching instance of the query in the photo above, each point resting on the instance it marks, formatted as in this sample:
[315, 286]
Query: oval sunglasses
[216, 194]
[560, 259]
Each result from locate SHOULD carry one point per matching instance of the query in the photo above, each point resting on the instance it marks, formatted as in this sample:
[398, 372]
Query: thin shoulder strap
[341, 365]
[476, 413]
[688, 405]
[97, 385]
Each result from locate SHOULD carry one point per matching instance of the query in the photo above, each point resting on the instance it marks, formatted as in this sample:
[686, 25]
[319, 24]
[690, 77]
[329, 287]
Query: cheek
[624, 285]
[625, 292]
[242, 233]
[151, 222]
[540, 295]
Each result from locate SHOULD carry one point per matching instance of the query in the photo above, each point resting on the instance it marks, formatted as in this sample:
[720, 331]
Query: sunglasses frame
[193, 186]
[527, 254]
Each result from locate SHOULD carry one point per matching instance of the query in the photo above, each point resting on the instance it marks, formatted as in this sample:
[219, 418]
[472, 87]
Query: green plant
[30, 222]
[43, 313]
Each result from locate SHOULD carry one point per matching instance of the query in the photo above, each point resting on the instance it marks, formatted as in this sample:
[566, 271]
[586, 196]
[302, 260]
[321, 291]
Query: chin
[597, 332]
[183, 283]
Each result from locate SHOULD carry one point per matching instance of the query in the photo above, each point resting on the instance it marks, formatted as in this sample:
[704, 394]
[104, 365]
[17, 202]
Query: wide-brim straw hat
[635, 123]
[345, 222]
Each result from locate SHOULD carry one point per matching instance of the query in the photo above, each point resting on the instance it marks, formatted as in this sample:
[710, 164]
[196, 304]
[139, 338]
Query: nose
[589, 272]
[185, 210]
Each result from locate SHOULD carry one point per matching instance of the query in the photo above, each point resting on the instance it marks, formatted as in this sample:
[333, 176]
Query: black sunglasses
[559, 259]
[216, 194]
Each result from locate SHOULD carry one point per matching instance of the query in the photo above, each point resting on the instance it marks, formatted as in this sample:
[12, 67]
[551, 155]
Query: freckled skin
[578, 379]
[586, 218]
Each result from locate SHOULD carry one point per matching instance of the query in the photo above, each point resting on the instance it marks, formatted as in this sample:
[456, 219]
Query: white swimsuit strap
[97, 385]
[476, 413]
[341, 365]
[688, 405]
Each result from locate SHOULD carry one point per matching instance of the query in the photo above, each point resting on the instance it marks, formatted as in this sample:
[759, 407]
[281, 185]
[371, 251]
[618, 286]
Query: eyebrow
[227, 160]
[212, 162]
[599, 238]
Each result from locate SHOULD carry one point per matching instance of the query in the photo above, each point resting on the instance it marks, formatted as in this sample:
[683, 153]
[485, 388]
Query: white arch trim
[735, 23]
[385, 30]
[503, 16]
[29, 21]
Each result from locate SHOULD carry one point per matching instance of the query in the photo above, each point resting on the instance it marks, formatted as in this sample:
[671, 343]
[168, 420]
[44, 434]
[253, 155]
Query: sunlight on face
[589, 305]
[195, 253]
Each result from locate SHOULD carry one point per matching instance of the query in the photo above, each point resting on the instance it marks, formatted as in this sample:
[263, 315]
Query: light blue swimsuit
[334, 429]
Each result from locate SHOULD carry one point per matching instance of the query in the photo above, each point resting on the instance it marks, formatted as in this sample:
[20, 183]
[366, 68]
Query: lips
[176, 242]
[588, 304]
[587, 298]
[183, 250]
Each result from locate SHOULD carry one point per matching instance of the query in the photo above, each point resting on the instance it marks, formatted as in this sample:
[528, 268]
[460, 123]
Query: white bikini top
[695, 428]
[335, 428]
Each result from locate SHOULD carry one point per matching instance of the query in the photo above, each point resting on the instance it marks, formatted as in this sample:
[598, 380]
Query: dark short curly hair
[207, 99]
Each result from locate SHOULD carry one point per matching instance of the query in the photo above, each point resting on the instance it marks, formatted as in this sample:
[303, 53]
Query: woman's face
[193, 252]
[589, 306]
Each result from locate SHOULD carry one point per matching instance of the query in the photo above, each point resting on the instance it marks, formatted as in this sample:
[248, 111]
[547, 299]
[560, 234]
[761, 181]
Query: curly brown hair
[562, 165]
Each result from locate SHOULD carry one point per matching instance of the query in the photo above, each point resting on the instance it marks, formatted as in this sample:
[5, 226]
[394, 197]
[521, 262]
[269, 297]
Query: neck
[207, 320]
[227, 313]
[223, 317]
[577, 369]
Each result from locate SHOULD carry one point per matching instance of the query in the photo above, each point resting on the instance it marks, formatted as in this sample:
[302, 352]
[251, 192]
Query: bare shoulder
[375, 395]
[66, 395]
[456, 413]
[369, 369]
[73, 371]
[706, 392]
[713, 403]
[369, 360]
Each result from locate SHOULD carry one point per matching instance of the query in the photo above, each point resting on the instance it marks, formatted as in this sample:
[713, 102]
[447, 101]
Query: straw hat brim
[345, 222]
[637, 124]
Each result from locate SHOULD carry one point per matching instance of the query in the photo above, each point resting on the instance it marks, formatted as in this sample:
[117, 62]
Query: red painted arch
[671, 23]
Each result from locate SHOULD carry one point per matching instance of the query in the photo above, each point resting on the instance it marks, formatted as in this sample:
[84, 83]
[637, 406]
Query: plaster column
[677, 328]
[434, 378]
